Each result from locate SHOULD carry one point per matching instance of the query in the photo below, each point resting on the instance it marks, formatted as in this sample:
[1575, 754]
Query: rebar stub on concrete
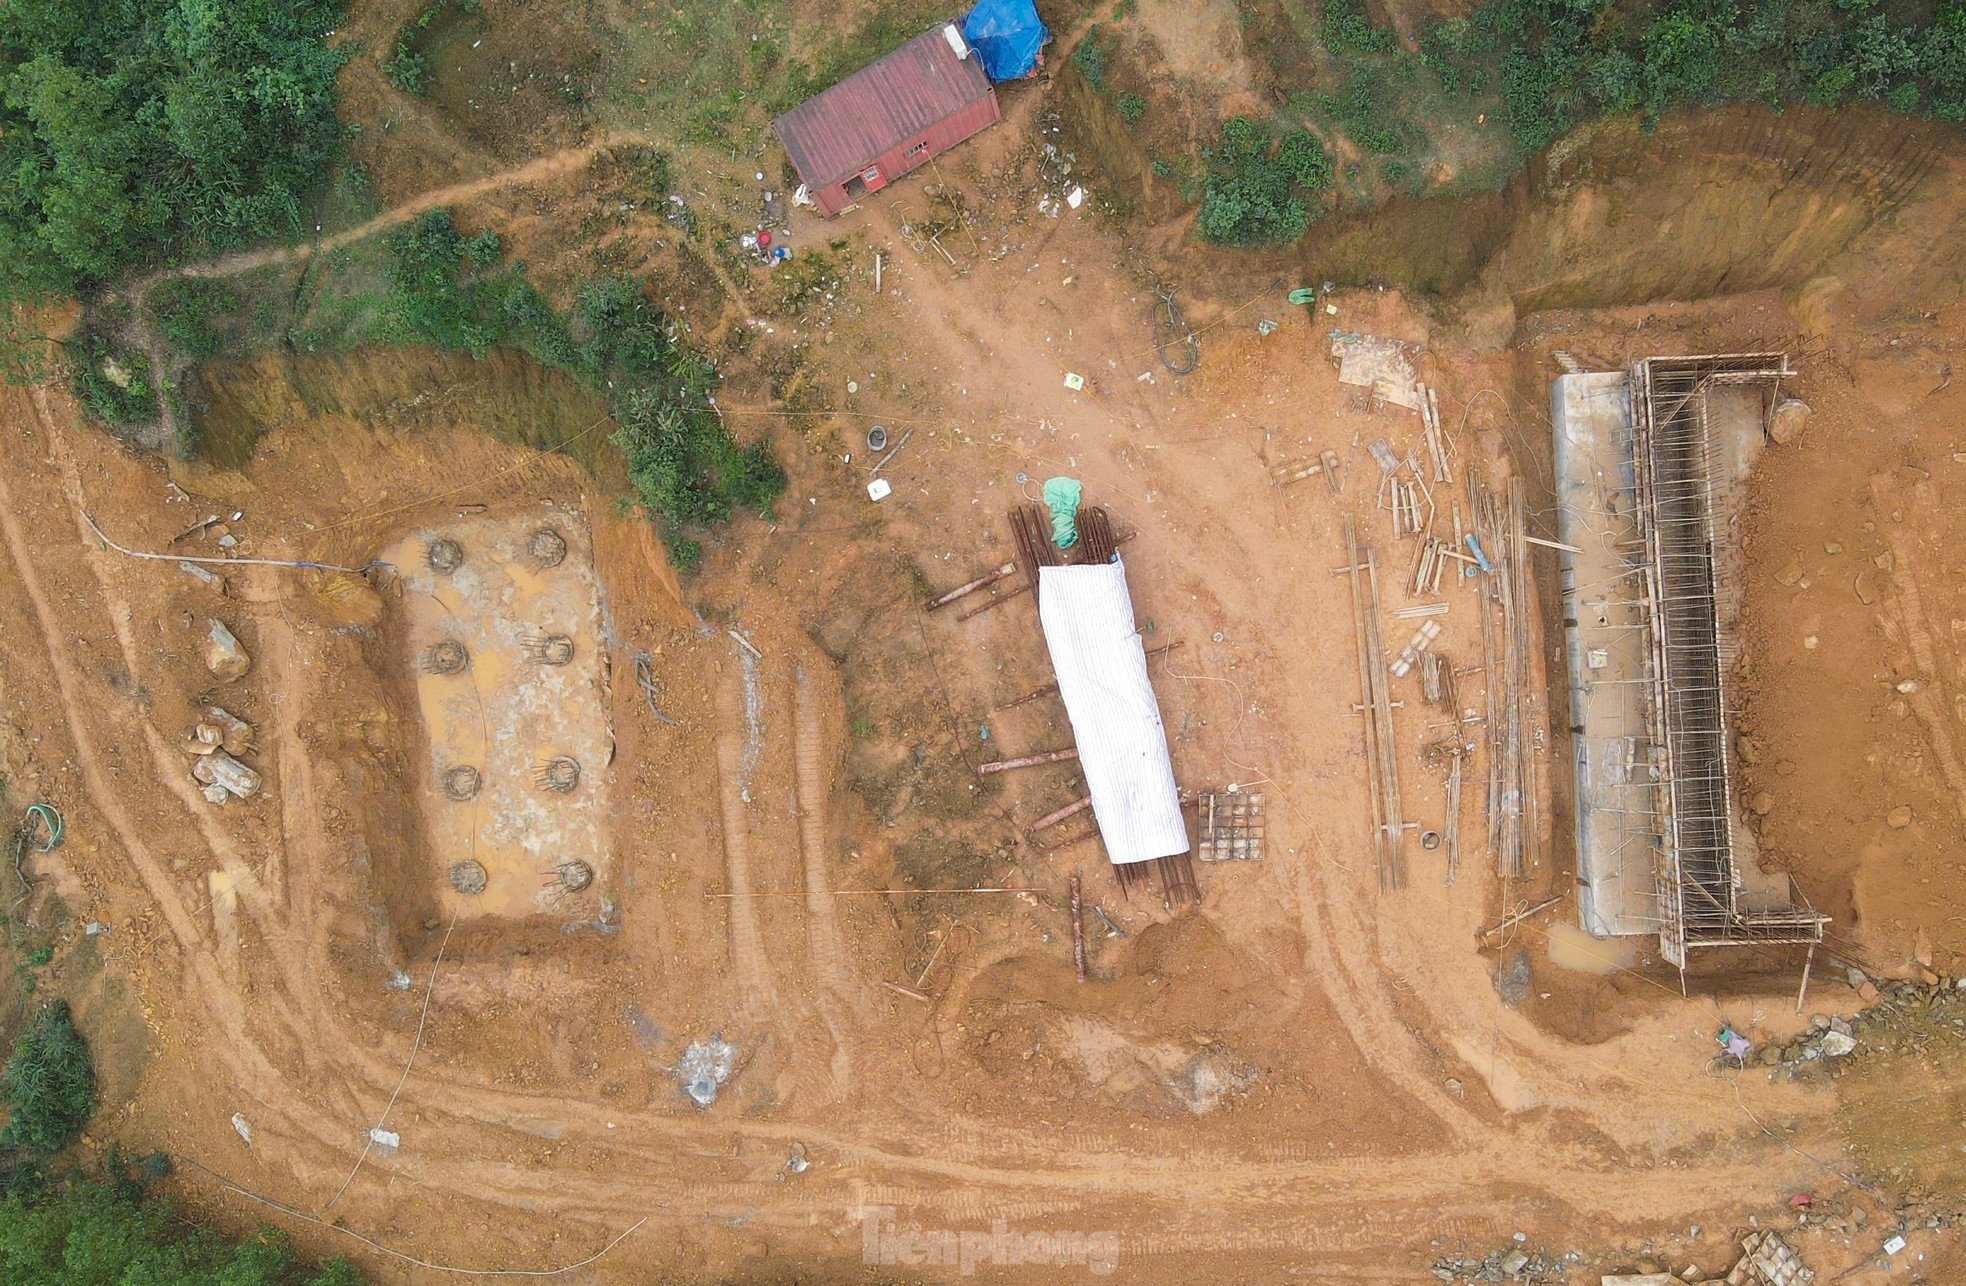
[446, 657]
[468, 877]
[546, 547]
[559, 774]
[444, 556]
[461, 783]
[575, 876]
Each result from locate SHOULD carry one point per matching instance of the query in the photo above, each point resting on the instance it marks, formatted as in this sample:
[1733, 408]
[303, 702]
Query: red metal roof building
[887, 118]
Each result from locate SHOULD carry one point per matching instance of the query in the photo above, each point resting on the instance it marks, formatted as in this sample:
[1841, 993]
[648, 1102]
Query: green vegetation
[186, 307]
[1132, 107]
[1557, 63]
[113, 383]
[1090, 57]
[130, 132]
[1487, 89]
[454, 292]
[106, 1230]
[407, 67]
[1261, 189]
[49, 1084]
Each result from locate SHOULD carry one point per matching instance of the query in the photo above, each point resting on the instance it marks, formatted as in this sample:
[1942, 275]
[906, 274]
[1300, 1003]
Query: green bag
[1061, 496]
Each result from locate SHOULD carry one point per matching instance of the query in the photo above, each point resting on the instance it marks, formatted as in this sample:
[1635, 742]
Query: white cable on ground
[411, 1259]
[219, 562]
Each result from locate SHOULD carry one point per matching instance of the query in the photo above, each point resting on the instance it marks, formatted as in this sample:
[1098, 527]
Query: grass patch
[187, 310]
[408, 66]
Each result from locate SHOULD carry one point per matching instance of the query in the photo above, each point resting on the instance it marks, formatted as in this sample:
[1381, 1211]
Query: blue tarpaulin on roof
[1006, 35]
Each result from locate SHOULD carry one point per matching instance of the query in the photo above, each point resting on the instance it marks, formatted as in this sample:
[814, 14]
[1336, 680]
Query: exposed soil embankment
[1711, 203]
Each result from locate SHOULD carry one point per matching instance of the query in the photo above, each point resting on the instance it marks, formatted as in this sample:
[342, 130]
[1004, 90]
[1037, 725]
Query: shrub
[1132, 107]
[1347, 30]
[50, 1083]
[1256, 191]
[407, 67]
[1090, 58]
[113, 384]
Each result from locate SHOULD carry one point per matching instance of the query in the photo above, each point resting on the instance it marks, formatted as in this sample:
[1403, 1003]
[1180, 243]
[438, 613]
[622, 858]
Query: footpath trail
[551, 165]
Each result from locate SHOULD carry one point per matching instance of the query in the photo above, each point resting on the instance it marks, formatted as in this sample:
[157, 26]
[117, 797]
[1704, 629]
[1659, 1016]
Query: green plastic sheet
[1061, 496]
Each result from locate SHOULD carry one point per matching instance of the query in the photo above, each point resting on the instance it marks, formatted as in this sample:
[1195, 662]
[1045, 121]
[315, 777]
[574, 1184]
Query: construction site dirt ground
[1301, 1078]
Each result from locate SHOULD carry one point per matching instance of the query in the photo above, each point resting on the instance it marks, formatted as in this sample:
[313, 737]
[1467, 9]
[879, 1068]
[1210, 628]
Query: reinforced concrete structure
[1649, 466]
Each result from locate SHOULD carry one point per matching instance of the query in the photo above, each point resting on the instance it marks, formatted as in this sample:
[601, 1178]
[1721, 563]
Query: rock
[1786, 767]
[204, 576]
[1770, 1055]
[1839, 1026]
[1867, 992]
[1832, 547]
[231, 774]
[1930, 979]
[1787, 421]
[1836, 1044]
[215, 793]
[1514, 1262]
[235, 734]
[224, 656]
[1763, 804]
[1791, 572]
[1820, 1022]
[1749, 749]
[1855, 975]
[1898, 818]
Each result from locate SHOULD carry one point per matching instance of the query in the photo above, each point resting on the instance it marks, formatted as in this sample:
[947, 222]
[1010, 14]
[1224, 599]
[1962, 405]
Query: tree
[50, 1083]
[132, 130]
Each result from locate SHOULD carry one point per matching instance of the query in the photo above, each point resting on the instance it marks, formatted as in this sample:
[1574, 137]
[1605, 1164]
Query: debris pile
[1765, 1260]
[215, 744]
[1511, 1263]
[1905, 1016]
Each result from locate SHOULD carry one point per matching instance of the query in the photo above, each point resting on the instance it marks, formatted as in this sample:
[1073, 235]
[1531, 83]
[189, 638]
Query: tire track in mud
[1912, 632]
[157, 882]
[737, 752]
[825, 945]
[259, 1085]
[243, 876]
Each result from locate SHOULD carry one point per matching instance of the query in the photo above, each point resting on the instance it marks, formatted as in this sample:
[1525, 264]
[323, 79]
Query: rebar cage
[1691, 656]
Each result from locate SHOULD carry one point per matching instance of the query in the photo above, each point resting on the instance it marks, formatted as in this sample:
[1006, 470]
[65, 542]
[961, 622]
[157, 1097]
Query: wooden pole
[1807, 960]
[1029, 761]
[1078, 929]
[1053, 818]
[970, 587]
[1004, 597]
[1050, 688]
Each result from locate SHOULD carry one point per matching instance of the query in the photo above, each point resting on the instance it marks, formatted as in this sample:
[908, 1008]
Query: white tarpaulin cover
[1102, 675]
